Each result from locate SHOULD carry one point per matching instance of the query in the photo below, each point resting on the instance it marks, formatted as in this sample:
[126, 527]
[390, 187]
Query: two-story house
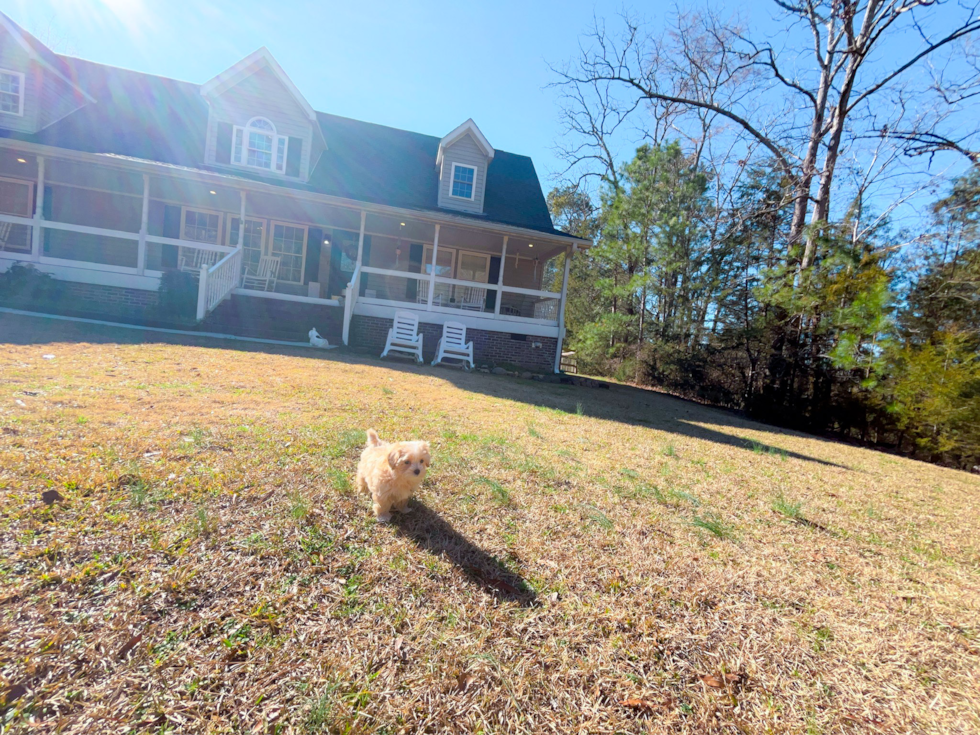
[287, 217]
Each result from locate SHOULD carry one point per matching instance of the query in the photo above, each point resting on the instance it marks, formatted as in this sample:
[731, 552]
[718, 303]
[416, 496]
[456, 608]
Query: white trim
[285, 297]
[561, 308]
[144, 226]
[29, 215]
[467, 127]
[160, 240]
[452, 180]
[21, 94]
[525, 326]
[270, 239]
[243, 68]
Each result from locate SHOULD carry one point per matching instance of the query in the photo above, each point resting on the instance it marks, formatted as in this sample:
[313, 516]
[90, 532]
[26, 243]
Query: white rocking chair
[404, 336]
[193, 261]
[472, 299]
[453, 345]
[263, 279]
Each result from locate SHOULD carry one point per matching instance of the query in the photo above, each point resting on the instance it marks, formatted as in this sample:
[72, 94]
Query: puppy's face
[410, 459]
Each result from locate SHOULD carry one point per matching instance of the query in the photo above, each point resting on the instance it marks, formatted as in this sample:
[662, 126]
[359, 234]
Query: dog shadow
[431, 532]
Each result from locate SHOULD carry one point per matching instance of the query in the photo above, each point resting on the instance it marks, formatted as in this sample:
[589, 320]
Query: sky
[420, 66]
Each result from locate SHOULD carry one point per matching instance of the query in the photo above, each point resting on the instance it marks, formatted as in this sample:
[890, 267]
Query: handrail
[217, 282]
[457, 282]
[350, 297]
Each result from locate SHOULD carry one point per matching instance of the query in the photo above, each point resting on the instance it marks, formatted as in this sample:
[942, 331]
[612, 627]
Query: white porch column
[500, 278]
[38, 212]
[561, 309]
[241, 240]
[360, 239]
[144, 227]
[432, 276]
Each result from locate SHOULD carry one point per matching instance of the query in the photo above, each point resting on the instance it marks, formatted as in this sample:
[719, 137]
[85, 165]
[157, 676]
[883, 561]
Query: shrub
[24, 284]
[177, 297]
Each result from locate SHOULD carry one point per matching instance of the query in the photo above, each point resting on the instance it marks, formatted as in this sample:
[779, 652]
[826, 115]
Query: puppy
[391, 473]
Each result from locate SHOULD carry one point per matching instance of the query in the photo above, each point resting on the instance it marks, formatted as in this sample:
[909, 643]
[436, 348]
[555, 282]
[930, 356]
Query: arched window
[258, 146]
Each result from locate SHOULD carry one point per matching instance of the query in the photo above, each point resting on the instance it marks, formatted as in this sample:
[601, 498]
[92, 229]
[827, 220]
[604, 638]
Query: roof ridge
[70, 59]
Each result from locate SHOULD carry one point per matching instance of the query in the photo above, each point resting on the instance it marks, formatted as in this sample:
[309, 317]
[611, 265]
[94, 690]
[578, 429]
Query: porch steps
[251, 316]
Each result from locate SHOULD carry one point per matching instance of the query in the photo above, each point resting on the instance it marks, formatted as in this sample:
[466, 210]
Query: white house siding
[467, 152]
[260, 95]
[13, 57]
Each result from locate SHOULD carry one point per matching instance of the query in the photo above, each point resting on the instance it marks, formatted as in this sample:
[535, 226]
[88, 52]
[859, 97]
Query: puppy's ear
[394, 457]
[426, 454]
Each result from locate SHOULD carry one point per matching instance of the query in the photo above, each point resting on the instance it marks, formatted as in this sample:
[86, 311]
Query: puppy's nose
[417, 471]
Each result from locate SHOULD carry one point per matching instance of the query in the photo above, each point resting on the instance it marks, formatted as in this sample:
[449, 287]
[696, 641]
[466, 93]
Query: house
[286, 217]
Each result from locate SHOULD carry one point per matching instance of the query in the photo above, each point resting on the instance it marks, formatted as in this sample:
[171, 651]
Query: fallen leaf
[51, 496]
[9, 431]
[127, 481]
[640, 705]
[719, 681]
[463, 682]
[130, 645]
[266, 496]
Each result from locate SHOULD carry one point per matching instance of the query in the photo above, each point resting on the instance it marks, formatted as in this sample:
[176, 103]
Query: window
[11, 92]
[252, 241]
[258, 146]
[289, 245]
[201, 226]
[464, 178]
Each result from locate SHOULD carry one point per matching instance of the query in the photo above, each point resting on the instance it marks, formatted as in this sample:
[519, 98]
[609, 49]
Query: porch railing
[350, 297]
[217, 281]
[545, 311]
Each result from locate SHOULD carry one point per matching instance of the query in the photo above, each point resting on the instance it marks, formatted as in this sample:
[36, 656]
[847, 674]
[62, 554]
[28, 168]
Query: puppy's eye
[408, 461]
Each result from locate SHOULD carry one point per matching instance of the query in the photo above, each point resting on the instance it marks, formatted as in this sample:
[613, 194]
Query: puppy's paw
[404, 510]
[384, 518]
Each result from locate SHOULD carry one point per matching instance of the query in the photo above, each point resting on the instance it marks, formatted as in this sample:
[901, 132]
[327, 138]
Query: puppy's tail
[373, 440]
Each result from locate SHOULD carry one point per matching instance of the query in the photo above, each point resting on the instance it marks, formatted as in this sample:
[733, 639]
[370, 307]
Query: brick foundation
[368, 334]
[94, 301]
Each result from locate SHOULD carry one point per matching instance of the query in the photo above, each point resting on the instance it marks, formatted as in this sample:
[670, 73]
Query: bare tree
[829, 85]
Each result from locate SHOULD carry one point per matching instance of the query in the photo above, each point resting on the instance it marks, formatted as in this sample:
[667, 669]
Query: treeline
[865, 344]
[743, 189]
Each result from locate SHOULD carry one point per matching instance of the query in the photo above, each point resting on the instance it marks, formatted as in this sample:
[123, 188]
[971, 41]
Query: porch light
[21, 160]
[213, 191]
[530, 244]
[403, 224]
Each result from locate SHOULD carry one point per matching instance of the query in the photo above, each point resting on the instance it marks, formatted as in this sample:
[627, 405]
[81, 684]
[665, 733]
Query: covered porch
[125, 223]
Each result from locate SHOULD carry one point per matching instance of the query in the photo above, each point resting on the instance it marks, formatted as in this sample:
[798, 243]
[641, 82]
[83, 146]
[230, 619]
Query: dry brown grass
[583, 561]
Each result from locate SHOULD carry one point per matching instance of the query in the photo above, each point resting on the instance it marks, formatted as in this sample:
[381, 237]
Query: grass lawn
[181, 551]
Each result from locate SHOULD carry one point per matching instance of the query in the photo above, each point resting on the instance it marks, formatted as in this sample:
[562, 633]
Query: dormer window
[463, 180]
[258, 146]
[11, 92]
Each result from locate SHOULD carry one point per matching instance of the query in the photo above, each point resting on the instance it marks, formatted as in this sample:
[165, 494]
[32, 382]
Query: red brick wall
[368, 334]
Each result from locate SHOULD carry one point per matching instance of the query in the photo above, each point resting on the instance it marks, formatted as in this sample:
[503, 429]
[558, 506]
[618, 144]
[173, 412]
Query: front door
[252, 241]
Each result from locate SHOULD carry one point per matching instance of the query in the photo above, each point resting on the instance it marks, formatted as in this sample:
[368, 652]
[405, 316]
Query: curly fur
[391, 473]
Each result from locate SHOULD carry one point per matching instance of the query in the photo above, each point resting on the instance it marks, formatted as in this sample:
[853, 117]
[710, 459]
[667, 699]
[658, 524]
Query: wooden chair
[404, 336]
[453, 345]
[264, 278]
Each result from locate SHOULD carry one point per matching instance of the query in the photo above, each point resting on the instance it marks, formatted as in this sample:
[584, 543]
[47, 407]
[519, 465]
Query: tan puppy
[391, 473]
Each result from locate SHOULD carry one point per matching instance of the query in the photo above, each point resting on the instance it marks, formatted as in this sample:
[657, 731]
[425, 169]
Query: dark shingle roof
[164, 120]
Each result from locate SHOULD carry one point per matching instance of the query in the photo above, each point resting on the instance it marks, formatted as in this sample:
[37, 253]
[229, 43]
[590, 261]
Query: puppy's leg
[402, 506]
[361, 483]
[382, 509]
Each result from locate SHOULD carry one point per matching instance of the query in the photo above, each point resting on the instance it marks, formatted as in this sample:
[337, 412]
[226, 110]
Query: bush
[177, 297]
[23, 284]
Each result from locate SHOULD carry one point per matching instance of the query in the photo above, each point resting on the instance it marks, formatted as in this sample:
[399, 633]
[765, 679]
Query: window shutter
[493, 275]
[414, 266]
[294, 154]
[171, 228]
[222, 151]
[314, 246]
[366, 260]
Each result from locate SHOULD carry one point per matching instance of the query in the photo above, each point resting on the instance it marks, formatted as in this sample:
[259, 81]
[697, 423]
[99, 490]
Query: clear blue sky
[422, 66]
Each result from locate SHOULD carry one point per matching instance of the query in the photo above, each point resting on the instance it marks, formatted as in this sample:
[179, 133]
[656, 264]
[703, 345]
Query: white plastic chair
[264, 279]
[453, 345]
[404, 336]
